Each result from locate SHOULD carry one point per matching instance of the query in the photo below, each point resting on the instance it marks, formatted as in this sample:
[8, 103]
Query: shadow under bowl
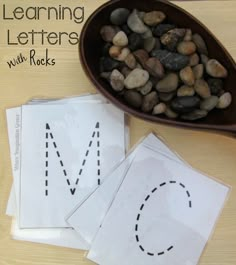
[90, 50]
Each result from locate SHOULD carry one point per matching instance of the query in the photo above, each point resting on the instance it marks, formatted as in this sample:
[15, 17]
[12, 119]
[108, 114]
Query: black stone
[216, 85]
[107, 64]
[133, 98]
[161, 29]
[170, 60]
[135, 42]
[126, 29]
[185, 104]
[106, 48]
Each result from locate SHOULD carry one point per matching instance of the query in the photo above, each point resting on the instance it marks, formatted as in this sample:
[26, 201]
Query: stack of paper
[60, 151]
[73, 187]
[152, 209]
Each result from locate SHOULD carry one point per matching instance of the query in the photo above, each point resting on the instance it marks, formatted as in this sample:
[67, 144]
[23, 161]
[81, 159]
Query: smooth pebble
[149, 101]
[187, 76]
[202, 89]
[224, 101]
[216, 69]
[117, 80]
[159, 109]
[136, 78]
[184, 91]
[168, 84]
[209, 104]
[135, 23]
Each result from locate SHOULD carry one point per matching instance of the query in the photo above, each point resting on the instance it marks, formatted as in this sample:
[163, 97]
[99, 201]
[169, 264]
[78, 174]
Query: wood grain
[209, 152]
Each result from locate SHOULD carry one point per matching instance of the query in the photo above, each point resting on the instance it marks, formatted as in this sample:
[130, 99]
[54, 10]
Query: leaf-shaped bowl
[90, 49]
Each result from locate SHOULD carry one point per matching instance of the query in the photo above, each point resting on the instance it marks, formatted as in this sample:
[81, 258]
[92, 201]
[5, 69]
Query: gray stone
[209, 104]
[187, 76]
[202, 89]
[117, 80]
[149, 101]
[119, 16]
[185, 91]
[166, 97]
[200, 43]
[146, 35]
[185, 104]
[135, 23]
[168, 84]
[133, 98]
[149, 44]
[154, 18]
[170, 60]
[204, 59]
[136, 78]
[194, 115]
[186, 47]
[120, 39]
[216, 69]
[159, 109]
[224, 101]
[198, 71]
[108, 33]
[146, 89]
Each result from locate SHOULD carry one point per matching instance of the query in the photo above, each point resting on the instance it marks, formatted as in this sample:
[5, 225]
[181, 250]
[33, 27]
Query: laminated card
[66, 152]
[163, 213]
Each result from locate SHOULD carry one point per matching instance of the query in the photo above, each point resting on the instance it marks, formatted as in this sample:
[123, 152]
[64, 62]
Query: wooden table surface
[212, 153]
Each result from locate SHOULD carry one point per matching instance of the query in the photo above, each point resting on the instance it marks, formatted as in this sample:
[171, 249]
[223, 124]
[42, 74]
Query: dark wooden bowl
[91, 47]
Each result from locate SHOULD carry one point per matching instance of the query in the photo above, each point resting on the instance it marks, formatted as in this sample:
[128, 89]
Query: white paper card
[59, 169]
[164, 213]
[87, 217]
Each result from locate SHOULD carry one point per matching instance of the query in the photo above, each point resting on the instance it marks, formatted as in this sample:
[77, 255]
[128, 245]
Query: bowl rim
[137, 113]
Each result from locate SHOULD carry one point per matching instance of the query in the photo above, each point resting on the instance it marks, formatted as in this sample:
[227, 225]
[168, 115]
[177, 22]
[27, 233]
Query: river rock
[108, 33]
[147, 34]
[188, 35]
[185, 104]
[186, 47]
[194, 59]
[198, 71]
[170, 113]
[194, 115]
[123, 54]
[159, 109]
[209, 104]
[149, 101]
[146, 89]
[170, 60]
[135, 23]
[149, 44]
[215, 84]
[154, 67]
[224, 101]
[119, 16]
[117, 80]
[216, 69]
[166, 97]
[185, 91]
[107, 64]
[131, 61]
[161, 29]
[125, 71]
[154, 18]
[200, 43]
[136, 78]
[168, 84]
[172, 37]
[120, 39]
[133, 98]
[187, 76]
[106, 48]
[202, 89]
[135, 42]
[141, 56]
[204, 59]
[115, 51]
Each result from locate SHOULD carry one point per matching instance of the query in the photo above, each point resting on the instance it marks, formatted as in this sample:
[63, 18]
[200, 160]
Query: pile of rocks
[160, 68]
